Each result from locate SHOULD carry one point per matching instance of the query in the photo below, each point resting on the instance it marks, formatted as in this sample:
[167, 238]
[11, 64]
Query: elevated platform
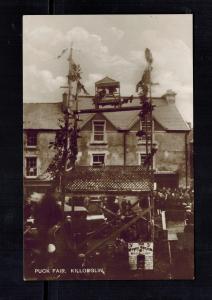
[107, 109]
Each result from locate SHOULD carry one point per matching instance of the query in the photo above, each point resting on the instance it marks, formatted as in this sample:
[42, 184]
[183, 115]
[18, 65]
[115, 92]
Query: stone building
[108, 139]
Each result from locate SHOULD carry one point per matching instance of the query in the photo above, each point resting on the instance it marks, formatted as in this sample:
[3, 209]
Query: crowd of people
[167, 198]
[47, 212]
[46, 209]
[164, 199]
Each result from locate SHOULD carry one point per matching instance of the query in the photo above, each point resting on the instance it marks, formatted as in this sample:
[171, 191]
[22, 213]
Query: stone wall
[169, 157]
[43, 153]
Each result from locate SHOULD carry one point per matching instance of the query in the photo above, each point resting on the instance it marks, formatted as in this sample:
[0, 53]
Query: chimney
[65, 102]
[169, 96]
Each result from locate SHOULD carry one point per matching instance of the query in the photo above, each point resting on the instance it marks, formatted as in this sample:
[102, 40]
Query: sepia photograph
[108, 173]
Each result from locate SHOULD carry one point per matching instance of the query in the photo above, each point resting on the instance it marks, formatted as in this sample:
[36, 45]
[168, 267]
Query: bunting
[80, 87]
[75, 72]
[62, 52]
[148, 56]
[145, 81]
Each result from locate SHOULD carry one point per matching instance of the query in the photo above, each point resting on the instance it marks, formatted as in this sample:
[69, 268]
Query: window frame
[36, 160]
[104, 140]
[144, 153]
[143, 140]
[27, 138]
[140, 160]
[100, 164]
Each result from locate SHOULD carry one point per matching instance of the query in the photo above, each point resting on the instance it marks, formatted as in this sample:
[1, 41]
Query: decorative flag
[146, 77]
[75, 72]
[80, 87]
[143, 86]
[148, 56]
[62, 52]
[144, 82]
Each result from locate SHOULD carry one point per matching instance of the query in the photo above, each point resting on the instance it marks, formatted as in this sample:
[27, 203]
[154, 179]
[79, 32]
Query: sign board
[146, 248]
[143, 248]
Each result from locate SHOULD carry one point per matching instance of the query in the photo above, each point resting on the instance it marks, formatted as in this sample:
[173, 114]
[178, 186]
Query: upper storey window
[99, 132]
[31, 139]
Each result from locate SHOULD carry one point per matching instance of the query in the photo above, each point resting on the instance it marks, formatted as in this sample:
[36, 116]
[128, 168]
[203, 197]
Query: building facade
[108, 139]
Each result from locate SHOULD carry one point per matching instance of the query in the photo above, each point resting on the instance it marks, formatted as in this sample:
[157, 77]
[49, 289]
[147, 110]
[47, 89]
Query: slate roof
[46, 115]
[42, 115]
[168, 116]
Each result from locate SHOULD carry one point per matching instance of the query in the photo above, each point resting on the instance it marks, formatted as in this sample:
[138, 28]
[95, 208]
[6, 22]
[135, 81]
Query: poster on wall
[137, 251]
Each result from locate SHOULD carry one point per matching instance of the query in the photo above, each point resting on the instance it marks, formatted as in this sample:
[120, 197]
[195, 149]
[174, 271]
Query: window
[98, 160]
[98, 131]
[31, 139]
[31, 166]
[142, 158]
[146, 127]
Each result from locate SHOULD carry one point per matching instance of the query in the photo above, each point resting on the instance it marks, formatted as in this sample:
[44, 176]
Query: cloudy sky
[109, 45]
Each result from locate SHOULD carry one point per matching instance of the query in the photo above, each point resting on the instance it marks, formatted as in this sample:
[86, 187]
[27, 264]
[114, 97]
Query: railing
[107, 100]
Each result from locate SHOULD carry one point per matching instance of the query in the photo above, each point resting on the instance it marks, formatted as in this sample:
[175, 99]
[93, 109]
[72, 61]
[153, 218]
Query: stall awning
[109, 179]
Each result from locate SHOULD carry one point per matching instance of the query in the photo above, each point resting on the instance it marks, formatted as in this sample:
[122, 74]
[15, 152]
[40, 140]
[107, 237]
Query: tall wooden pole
[69, 73]
[67, 124]
[151, 148]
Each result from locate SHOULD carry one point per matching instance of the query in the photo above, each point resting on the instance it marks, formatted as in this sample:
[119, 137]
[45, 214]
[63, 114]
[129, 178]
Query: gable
[136, 126]
[106, 80]
[89, 125]
[158, 127]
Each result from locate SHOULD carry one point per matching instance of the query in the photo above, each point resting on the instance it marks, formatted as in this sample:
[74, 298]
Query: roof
[168, 116]
[42, 115]
[108, 179]
[107, 80]
[46, 115]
